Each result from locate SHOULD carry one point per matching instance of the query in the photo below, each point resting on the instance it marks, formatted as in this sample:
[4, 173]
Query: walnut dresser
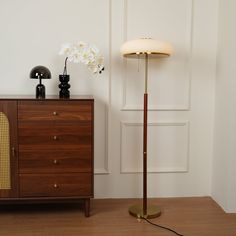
[46, 150]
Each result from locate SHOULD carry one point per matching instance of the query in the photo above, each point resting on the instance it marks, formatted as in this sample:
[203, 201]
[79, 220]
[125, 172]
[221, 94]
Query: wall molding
[184, 169]
[188, 40]
[106, 169]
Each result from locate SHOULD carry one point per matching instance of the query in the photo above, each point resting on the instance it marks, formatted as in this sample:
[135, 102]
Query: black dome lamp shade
[40, 72]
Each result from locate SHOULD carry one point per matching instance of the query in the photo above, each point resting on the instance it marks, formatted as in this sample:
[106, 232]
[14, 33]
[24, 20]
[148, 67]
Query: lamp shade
[40, 72]
[146, 46]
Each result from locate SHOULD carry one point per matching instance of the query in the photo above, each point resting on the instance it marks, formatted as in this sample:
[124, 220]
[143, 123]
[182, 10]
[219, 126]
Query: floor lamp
[145, 48]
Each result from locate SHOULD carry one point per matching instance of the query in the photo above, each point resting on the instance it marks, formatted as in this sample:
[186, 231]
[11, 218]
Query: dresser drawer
[53, 185]
[55, 161]
[32, 128]
[54, 110]
[51, 133]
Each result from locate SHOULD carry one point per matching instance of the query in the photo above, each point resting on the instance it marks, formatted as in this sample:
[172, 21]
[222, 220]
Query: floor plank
[188, 216]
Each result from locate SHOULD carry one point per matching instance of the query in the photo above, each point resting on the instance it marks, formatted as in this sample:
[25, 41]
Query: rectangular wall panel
[169, 79]
[168, 145]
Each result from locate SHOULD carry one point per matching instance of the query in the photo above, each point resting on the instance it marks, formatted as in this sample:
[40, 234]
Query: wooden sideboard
[46, 149]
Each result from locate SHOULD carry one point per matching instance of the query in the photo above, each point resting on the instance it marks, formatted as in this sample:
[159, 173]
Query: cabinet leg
[87, 207]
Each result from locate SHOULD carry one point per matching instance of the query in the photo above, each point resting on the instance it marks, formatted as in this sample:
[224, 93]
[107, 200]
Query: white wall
[224, 162]
[181, 88]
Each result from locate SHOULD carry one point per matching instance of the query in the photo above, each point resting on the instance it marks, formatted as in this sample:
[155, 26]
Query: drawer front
[54, 110]
[55, 161]
[52, 127]
[53, 185]
[55, 133]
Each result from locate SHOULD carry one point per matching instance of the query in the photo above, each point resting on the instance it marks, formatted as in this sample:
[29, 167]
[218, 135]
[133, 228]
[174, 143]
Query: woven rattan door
[8, 149]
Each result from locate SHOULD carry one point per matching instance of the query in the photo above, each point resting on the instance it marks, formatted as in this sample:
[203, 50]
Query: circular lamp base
[152, 211]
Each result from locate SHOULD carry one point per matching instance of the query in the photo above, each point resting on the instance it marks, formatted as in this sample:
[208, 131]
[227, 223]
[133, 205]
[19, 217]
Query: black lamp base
[64, 86]
[40, 91]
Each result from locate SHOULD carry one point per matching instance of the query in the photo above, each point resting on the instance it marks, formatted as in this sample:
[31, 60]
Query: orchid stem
[65, 67]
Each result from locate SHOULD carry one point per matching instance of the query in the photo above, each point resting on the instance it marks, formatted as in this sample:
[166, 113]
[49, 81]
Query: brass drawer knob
[55, 162]
[55, 186]
[55, 113]
[55, 137]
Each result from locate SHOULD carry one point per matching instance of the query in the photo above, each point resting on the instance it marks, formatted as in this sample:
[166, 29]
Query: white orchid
[82, 52]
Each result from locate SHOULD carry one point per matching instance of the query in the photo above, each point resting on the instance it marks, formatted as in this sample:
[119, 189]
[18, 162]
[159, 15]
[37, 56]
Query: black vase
[64, 86]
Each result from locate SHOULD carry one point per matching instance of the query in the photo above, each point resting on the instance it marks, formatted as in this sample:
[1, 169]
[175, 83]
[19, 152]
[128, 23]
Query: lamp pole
[145, 210]
[145, 109]
[146, 47]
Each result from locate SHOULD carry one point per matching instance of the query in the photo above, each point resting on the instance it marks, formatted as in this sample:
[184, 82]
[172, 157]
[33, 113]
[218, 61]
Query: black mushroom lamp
[40, 72]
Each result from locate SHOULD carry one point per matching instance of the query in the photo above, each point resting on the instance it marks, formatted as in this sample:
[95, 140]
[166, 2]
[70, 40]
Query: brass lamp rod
[146, 71]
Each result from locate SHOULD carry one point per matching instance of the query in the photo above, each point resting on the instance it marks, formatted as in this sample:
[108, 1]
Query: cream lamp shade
[146, 46]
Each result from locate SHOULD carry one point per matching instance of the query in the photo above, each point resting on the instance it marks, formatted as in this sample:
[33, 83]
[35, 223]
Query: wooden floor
[188, 216]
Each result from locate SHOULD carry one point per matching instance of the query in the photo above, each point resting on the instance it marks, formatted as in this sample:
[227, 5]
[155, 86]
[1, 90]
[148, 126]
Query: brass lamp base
[152, 211]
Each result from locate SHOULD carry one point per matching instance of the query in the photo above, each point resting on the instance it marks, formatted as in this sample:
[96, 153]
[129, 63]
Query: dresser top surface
[49, 97]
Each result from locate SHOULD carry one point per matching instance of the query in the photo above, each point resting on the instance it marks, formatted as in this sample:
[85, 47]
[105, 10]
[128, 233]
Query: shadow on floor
[42, 207]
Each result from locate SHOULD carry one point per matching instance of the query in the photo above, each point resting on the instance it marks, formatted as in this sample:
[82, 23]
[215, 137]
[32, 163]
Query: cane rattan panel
[5, 182]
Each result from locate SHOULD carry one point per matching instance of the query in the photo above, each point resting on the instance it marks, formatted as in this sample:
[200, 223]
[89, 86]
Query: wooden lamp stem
[145, 109]
[145, 154]
[145, 210]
